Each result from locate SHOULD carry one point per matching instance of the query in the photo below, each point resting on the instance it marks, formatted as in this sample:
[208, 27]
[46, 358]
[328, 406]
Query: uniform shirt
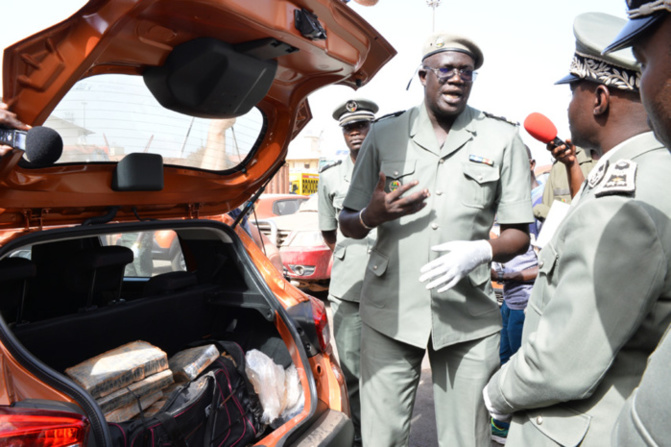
[600, 304]
[350, 256]
[481, 170]
[557, 187]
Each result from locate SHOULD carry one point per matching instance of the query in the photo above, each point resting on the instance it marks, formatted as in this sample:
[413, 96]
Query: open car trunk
[73, 296]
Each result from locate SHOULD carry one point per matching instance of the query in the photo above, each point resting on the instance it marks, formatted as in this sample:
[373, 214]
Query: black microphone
[43, 146]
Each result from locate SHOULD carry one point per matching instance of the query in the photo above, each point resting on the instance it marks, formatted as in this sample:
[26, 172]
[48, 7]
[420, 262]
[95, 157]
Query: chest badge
[480, 159]
[394, 185]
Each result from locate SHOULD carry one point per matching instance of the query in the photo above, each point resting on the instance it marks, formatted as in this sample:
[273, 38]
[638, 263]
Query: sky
[527, 46]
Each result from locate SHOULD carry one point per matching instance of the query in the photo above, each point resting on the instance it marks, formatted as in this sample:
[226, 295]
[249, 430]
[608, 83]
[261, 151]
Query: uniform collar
[630, 148]
[626, 150]
[461, 132]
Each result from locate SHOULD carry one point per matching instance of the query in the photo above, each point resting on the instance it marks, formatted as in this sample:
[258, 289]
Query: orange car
[195, 103]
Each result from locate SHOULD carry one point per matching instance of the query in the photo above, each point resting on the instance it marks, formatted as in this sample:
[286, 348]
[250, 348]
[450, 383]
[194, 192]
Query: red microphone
[541, 128]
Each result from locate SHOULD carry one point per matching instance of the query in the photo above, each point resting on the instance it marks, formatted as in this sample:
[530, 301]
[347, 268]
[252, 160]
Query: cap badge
[351, 106]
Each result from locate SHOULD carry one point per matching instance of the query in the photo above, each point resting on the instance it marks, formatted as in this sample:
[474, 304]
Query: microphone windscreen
[540, 127]
[44, 146]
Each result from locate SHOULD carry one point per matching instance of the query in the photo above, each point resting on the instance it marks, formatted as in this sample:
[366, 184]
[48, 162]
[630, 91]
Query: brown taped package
[124, 396]
[186, 365]
[119, 367]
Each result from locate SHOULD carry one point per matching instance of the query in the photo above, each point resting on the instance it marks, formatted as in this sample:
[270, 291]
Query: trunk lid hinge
[35, 220]
[194, 210]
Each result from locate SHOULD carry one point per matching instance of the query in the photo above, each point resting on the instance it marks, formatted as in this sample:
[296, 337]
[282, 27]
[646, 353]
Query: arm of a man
[592, 303]
[566, 154]
[513, 241]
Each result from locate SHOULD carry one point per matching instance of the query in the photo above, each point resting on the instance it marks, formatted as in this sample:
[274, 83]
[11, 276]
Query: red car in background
[306, 258]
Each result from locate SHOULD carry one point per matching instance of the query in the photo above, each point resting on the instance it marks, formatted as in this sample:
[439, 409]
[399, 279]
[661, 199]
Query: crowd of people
[571, 355]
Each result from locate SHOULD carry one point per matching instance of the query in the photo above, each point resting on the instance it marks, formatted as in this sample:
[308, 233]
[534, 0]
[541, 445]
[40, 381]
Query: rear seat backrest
[75, 274]
[14, 276]
[169, 282]
[101, 272]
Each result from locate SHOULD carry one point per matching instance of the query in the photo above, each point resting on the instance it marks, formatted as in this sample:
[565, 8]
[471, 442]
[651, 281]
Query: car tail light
[320, 318]
[42, 428]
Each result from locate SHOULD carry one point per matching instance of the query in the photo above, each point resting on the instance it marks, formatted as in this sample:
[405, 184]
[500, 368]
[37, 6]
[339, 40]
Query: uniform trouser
[390, 372]
[347, 333]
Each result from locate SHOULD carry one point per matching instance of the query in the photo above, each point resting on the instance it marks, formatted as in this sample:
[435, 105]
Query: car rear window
[106, 117]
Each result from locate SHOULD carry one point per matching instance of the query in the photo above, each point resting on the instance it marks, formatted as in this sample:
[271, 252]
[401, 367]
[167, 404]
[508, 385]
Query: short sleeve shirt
[481, 170]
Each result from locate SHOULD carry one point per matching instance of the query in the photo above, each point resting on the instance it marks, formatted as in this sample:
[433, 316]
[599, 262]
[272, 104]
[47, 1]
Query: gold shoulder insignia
[501, 118]
[330, 165]
[620, 178]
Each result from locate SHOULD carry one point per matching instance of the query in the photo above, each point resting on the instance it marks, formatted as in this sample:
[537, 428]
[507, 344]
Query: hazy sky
[527, 45]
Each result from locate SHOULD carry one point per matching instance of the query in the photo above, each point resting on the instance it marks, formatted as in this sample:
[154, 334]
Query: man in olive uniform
[602, 299]
[644, 420]
[467, 166]
[350, 256]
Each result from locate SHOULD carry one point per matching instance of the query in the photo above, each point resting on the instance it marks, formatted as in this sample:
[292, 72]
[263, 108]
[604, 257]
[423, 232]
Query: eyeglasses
[445, 73]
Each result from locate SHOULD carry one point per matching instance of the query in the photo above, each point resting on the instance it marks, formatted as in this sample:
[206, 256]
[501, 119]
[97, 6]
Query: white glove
[462, 258]
[496, 415]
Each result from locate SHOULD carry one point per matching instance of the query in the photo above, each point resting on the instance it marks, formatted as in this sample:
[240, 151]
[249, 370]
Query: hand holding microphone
[43, 146]
[542, 129]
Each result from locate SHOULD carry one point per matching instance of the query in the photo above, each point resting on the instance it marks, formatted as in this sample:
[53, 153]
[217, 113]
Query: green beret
[354, 110]
[439, 42]
[593, 32]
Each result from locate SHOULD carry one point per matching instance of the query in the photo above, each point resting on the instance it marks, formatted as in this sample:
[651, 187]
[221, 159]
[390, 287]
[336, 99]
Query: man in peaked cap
[644, 418]
[602, 298]
[350, 256]
[475, 166]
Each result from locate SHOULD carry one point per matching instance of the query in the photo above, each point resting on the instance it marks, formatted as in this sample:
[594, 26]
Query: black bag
[219, 408]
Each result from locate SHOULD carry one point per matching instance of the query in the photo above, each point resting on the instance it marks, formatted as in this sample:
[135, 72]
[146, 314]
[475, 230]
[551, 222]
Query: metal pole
[433, 4]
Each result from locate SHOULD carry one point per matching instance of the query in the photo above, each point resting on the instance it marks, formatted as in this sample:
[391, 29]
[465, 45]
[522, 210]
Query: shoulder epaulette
[330, 165]
[501, 118]
[390, 115]
[615, 178]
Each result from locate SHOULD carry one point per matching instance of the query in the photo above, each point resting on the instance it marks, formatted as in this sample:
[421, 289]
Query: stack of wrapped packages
[138, 377]
[125, 380]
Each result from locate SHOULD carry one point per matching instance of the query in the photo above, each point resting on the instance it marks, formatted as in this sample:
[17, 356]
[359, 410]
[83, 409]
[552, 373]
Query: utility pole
[433, 4]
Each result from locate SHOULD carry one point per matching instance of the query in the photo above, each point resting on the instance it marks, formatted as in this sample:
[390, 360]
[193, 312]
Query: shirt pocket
[547, 265]
[563, 425]
[397, 173]
[480, 184]
[339, 252]
[377, 264]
